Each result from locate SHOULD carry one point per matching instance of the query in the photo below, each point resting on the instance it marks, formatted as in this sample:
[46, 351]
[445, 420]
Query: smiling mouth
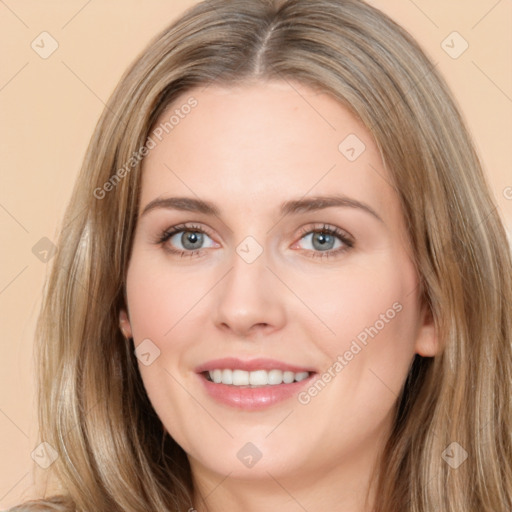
[254, 379]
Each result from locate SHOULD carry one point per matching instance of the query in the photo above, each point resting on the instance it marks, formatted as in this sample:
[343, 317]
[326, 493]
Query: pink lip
[252, 398]
[233, 363]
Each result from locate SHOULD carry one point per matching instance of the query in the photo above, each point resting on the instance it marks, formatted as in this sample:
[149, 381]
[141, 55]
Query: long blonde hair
[114, 454]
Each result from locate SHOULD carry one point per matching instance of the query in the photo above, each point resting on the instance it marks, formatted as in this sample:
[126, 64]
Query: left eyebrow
[321, 202]
[294, 206]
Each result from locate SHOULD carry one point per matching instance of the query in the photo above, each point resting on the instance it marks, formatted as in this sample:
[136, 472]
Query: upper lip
[235, 363]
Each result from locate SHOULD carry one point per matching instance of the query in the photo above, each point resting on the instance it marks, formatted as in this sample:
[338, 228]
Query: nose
[250, 299]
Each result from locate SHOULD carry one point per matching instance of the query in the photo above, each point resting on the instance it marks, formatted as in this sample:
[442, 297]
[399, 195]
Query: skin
[248, 149]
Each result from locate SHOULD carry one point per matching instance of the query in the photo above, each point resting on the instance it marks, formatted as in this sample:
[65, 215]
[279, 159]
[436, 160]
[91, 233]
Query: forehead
[260, 144]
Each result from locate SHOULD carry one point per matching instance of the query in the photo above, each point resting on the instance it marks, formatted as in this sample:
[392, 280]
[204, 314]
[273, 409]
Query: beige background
[50, 107]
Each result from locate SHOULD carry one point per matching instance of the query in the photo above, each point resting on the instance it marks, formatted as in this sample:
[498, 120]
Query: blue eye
[192, 237]
[324, 238]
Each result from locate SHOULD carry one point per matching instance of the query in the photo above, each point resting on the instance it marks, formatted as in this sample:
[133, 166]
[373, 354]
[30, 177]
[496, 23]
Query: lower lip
[251, 399]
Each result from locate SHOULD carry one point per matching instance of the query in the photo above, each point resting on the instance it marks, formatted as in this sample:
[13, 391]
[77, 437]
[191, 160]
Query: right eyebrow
[188, 204]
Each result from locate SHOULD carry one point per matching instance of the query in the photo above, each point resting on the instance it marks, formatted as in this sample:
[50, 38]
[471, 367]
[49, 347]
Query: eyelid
[172, 230]
[346, 239]
[344, 236]
[322, 226]
[168, 233]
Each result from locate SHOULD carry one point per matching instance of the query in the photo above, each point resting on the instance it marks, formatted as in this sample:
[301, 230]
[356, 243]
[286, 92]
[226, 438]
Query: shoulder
[53, 504]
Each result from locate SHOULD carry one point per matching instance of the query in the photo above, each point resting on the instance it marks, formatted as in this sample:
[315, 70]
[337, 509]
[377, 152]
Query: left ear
[427, 343]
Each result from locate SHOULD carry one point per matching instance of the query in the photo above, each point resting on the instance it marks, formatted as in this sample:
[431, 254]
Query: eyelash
[324, 229]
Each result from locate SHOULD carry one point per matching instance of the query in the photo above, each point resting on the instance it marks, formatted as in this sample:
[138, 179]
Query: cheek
[158, 298]
[371, 312]
[161, 306]
[374, 299]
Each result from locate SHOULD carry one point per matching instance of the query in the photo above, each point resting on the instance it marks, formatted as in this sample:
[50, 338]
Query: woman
[253, 371]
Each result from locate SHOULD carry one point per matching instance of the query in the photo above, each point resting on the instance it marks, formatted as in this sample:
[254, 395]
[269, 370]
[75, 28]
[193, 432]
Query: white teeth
[288, 377]
[258, 378]
[227, 376]
[276, 377]
[240, 378]
[255, 378]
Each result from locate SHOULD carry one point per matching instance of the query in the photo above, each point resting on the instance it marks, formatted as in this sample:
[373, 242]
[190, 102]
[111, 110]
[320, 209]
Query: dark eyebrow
[295, 206]
[320, 202]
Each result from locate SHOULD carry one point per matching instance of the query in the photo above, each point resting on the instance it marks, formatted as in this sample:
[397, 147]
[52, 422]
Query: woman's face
[290, 256]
